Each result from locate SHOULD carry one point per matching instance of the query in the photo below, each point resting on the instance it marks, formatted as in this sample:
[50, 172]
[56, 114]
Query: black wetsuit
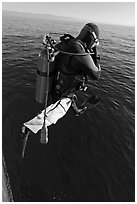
[71, 67]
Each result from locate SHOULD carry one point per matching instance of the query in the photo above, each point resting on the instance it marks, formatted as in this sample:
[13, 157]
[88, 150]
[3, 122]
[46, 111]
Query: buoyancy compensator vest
[73, 64]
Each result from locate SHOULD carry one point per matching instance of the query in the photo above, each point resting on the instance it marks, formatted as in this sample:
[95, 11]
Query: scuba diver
[62, 76]
[76, 66]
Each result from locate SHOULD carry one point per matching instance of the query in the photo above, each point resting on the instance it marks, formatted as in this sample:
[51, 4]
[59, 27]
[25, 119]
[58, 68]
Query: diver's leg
[91, 101]
[77, 110]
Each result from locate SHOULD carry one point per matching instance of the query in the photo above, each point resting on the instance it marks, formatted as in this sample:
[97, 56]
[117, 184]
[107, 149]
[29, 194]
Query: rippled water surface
[88, 158]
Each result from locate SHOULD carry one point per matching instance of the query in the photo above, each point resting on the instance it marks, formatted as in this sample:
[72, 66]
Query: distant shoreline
[53, 17]
[37, 15]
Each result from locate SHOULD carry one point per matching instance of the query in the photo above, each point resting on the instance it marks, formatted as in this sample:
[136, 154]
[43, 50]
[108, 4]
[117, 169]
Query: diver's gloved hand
[95, 56]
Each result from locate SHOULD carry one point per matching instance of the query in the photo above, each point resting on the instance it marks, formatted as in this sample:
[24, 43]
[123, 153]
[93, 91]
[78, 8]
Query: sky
[122, 13]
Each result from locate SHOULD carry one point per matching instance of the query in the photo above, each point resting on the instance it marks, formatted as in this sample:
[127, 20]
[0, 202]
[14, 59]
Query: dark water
[88, 158]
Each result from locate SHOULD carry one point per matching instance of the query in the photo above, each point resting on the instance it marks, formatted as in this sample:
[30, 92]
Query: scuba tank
[41, 81]
[44, 79]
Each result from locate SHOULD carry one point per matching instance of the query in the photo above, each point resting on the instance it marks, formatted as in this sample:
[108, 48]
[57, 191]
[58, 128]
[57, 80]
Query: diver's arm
[96, 63]
[99, 70]
[88, 64]
[94, 71]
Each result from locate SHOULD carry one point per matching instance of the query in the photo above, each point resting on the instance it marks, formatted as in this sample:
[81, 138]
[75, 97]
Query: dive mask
[96, 40]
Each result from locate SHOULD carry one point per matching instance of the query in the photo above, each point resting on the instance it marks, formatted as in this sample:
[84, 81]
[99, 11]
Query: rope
[44, 130]
[77, 54]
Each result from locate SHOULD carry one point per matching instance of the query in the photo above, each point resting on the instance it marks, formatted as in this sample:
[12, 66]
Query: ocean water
[88, 158]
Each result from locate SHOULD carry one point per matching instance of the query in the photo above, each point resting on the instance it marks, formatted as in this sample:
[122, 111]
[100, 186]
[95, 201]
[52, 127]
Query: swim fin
[87, 104]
